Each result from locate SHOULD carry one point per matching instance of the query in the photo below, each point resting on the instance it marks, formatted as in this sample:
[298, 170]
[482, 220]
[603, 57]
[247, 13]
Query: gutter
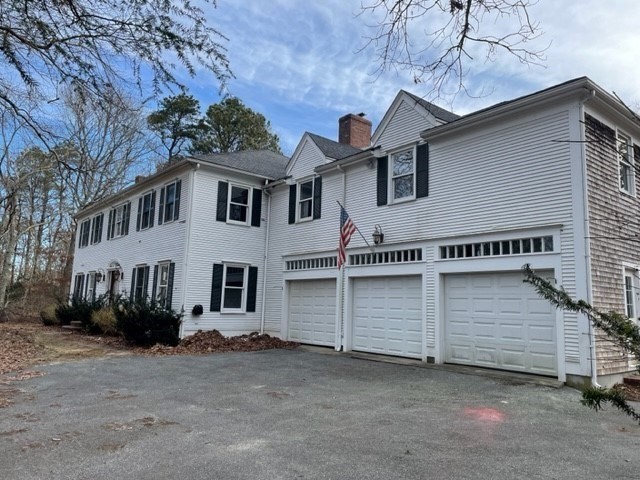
[338, 164]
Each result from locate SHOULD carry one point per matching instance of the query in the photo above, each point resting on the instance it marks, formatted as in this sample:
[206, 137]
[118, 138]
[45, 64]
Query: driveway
[301, 415]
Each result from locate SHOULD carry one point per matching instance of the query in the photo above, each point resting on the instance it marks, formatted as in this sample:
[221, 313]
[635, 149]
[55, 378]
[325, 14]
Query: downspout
[185, 262]
[585, 206]
[340, 327]
[266, 255]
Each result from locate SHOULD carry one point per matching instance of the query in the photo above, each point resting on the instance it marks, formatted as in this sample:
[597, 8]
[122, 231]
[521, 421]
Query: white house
[462, 202]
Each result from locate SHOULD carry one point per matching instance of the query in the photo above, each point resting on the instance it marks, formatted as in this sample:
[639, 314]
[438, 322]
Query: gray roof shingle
[435, 110]
[333, 149]
[263, 163]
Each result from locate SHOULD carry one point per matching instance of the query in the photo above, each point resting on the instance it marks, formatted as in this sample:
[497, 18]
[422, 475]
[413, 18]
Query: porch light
[378, 236]
[99, 276]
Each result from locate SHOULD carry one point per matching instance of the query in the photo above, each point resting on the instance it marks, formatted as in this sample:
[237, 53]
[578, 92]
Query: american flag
[347, 228]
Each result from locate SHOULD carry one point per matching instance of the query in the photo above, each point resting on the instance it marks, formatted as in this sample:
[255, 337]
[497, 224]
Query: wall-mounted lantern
[378, 236]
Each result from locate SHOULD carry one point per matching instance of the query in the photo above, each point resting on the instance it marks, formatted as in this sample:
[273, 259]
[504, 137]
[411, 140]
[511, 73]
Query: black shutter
[252, 288]
[133, 284]
[216, 287]
[256, 208]
[221, 210]
[422, 171]
[292, 203]
[127, 207]
[161, 209]
[155, 284]
[176, 210]
[167, 303]
[152, 212]
[101, 221]
[145, 284]
[383, 184]
[139, 216]
[110, 225]
[317, 197]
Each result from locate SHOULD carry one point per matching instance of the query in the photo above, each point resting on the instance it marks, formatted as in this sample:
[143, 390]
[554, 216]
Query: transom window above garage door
[518, 246]
[393, 256]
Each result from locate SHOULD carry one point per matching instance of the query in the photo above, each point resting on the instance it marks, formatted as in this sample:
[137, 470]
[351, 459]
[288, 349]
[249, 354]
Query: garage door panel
[506, 325]
[387, 315]
[312, 311]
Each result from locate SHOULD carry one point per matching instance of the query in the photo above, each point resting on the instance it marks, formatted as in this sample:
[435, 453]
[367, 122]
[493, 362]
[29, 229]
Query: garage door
[495, 320]
[312, 311]
[387, 315]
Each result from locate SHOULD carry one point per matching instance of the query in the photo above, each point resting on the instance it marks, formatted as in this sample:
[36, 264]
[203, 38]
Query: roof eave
[350, 160]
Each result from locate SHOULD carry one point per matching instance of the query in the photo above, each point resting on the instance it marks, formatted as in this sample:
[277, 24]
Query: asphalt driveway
[301, 415]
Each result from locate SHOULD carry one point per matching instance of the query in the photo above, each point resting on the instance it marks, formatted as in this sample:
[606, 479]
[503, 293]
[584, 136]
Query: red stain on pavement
[484, 414]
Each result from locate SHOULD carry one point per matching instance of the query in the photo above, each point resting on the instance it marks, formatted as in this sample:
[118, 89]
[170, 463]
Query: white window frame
[85, 225]
[93, 226]
[118, 226]
[247, 206]
[625, 161]
[91, 286]
[630, 286]
[169, 208]
[245, 279]
[140, 282]
[148, 211]
[392, 177]
[299, 200]
[162, 301]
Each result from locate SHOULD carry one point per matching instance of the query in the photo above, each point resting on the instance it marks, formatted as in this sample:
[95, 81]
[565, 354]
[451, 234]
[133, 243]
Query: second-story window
[305, 200]
[119, 221]
[146, 210]
[170, 202]
[625, 163]
[239, 204]
[84, 233]
[402, 176]
[96, 228]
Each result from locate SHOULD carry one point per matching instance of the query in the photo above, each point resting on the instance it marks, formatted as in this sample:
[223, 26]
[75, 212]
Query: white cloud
[298, 63]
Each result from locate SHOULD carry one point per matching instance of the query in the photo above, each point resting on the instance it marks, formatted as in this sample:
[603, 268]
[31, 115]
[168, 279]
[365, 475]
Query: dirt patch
[630, 392]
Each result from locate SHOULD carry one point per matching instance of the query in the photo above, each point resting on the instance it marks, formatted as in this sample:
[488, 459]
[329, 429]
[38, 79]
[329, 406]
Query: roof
[333, 149]
[263, 163]
[436, 111]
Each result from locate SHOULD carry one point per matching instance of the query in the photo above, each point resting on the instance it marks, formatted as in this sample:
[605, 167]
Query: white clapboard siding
[147, 247]
[405, 125]
[306, 157]
[212, 242]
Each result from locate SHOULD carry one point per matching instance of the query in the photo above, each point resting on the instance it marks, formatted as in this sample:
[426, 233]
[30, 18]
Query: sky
[304, 64]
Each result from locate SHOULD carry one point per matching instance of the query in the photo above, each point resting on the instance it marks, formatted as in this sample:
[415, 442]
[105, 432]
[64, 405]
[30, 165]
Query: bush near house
[48, 315]
[105, 321]
[146, 323]
[78, 309]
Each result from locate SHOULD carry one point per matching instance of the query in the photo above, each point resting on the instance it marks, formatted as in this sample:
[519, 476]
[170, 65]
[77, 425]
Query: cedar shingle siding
[613, 226]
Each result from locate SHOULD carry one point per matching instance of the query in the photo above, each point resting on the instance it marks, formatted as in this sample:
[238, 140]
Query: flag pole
[354, 224]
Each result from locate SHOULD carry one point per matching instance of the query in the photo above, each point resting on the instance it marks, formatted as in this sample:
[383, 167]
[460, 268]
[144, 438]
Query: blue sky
[301, 64]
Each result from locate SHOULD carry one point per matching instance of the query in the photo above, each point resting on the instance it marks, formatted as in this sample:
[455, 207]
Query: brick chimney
[354, 130]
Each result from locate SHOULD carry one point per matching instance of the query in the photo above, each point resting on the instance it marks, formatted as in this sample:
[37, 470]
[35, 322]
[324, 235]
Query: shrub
[79, 309]
[104, 320]
[48, 315]
[145, 324]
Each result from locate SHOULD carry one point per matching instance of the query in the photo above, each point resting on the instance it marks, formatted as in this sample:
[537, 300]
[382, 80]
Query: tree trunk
[11, 236]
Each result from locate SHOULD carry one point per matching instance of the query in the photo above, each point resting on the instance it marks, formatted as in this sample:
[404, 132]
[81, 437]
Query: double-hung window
[305, 200]
[239, 204]
[146, 206]
[163, 284]
[625, 163]
[630, 289]
[84, 233]
[234, 286]
[402, 175]
[120, 220]
[96, 228]
[91, 286]
[139, 283]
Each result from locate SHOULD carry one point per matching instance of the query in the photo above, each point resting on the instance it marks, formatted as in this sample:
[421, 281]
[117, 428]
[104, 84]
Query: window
[169, 202]
[119, 221]
[163, 284]
[139, 282]
[402, 175]
[625, 163]
[503, 247]
[630, 288]
[96, 229]
[84, 233]
[233, 288]
[146, 211]
[238, 204]
[305, 200]
[91, 287]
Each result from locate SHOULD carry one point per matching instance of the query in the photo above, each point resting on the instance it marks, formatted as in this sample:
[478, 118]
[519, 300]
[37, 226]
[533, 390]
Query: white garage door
[312, 311]
[387, 315]
[495, 320]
